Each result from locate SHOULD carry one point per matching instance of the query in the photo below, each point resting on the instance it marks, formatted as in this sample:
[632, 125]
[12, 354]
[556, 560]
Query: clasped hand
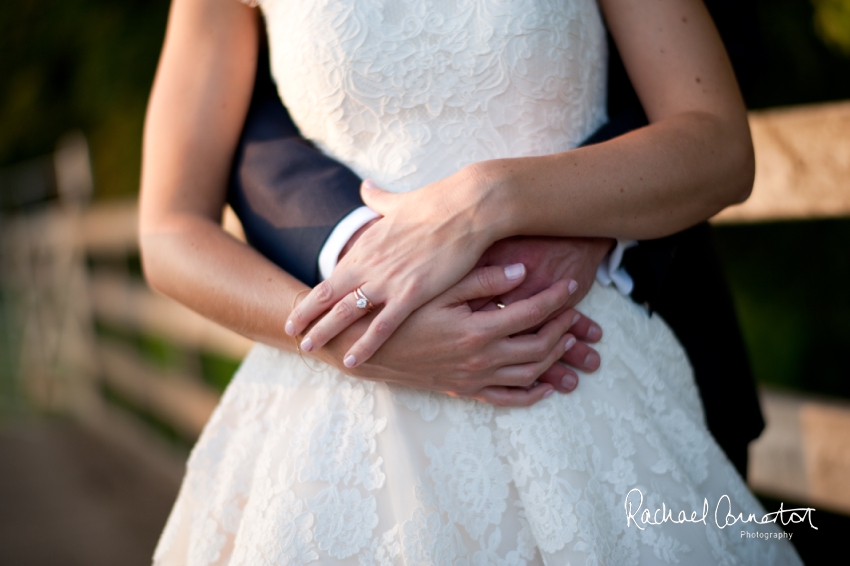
[458, 342]
[446, 346]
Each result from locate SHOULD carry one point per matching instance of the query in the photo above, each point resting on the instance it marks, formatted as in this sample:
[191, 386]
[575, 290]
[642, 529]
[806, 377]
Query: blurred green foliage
[161, 353]
[798, 66]
[217, 370]
[79, 64]
[832, 22]
[161, 427]
[789, 281]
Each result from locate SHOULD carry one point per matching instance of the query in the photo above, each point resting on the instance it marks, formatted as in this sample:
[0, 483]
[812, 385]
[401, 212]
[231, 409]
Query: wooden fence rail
[58, 264]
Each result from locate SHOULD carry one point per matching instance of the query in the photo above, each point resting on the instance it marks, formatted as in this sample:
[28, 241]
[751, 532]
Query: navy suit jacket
[289, 197]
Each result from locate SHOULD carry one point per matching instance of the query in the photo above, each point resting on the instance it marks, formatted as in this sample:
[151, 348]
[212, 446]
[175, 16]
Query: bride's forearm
[694, 159]
[197, 107]
[195, 262]
[651, 183]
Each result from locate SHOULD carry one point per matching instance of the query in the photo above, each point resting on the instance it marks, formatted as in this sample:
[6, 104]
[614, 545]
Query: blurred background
[104, 385]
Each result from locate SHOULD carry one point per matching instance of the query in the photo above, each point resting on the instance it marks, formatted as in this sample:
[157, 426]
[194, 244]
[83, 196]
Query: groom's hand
[549, 260]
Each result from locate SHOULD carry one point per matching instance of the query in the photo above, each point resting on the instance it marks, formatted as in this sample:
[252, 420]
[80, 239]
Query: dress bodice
[407, 92]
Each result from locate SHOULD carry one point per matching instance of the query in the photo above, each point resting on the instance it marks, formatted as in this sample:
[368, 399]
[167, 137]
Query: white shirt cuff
[329, 255]
[610, 271]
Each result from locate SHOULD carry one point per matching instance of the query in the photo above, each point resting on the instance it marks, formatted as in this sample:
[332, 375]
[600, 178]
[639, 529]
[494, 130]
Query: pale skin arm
[694, 159]
[197, 106]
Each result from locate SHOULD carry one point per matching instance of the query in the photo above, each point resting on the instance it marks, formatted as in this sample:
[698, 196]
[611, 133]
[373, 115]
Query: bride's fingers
[514, 396]
[321, 298]
[486, 282]
[482, 282]
[341, 316]
[525, 375]
[386, 322]
[529, 312]
[535, 347]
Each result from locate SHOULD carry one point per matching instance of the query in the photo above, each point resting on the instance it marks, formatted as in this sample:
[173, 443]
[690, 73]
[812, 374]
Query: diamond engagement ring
[362, 301]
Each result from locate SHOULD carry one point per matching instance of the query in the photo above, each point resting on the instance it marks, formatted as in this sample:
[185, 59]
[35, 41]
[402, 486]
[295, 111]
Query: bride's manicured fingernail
[571, 341]
[572, 286]
[515, 271]
[569, 382]
[575, 319]
[349, 361]
[594, 332]
[548, 393]
[307, 344]
[369, 184]
[289, 328]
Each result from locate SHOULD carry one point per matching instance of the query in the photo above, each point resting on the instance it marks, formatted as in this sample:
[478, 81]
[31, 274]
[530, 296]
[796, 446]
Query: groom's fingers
[483, 283]
[586, 329]
[562, 378]
[582, 357]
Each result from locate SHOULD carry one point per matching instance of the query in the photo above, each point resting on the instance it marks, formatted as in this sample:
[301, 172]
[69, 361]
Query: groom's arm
[288, 195]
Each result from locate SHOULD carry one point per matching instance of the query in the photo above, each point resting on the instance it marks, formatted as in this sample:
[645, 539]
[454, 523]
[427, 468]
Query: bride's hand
[426, 241]
[446, 346]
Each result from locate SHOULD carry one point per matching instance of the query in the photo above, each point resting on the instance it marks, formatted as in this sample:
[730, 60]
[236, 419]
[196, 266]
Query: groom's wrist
[354, 237]
[343, 237]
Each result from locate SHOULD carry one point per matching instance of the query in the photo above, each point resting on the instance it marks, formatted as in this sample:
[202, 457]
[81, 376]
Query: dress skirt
[298, 466]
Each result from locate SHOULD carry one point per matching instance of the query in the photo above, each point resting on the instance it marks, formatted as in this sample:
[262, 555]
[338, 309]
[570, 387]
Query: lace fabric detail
[408, 92]
[297, 467]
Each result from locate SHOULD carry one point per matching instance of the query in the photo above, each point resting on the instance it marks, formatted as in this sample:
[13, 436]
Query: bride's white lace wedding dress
[300, 467]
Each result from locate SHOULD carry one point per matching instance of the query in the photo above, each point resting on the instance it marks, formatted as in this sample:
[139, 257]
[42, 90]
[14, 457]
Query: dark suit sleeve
[288, 195]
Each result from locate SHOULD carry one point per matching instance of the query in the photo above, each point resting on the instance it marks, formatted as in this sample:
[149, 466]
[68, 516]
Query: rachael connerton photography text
[723, 515]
